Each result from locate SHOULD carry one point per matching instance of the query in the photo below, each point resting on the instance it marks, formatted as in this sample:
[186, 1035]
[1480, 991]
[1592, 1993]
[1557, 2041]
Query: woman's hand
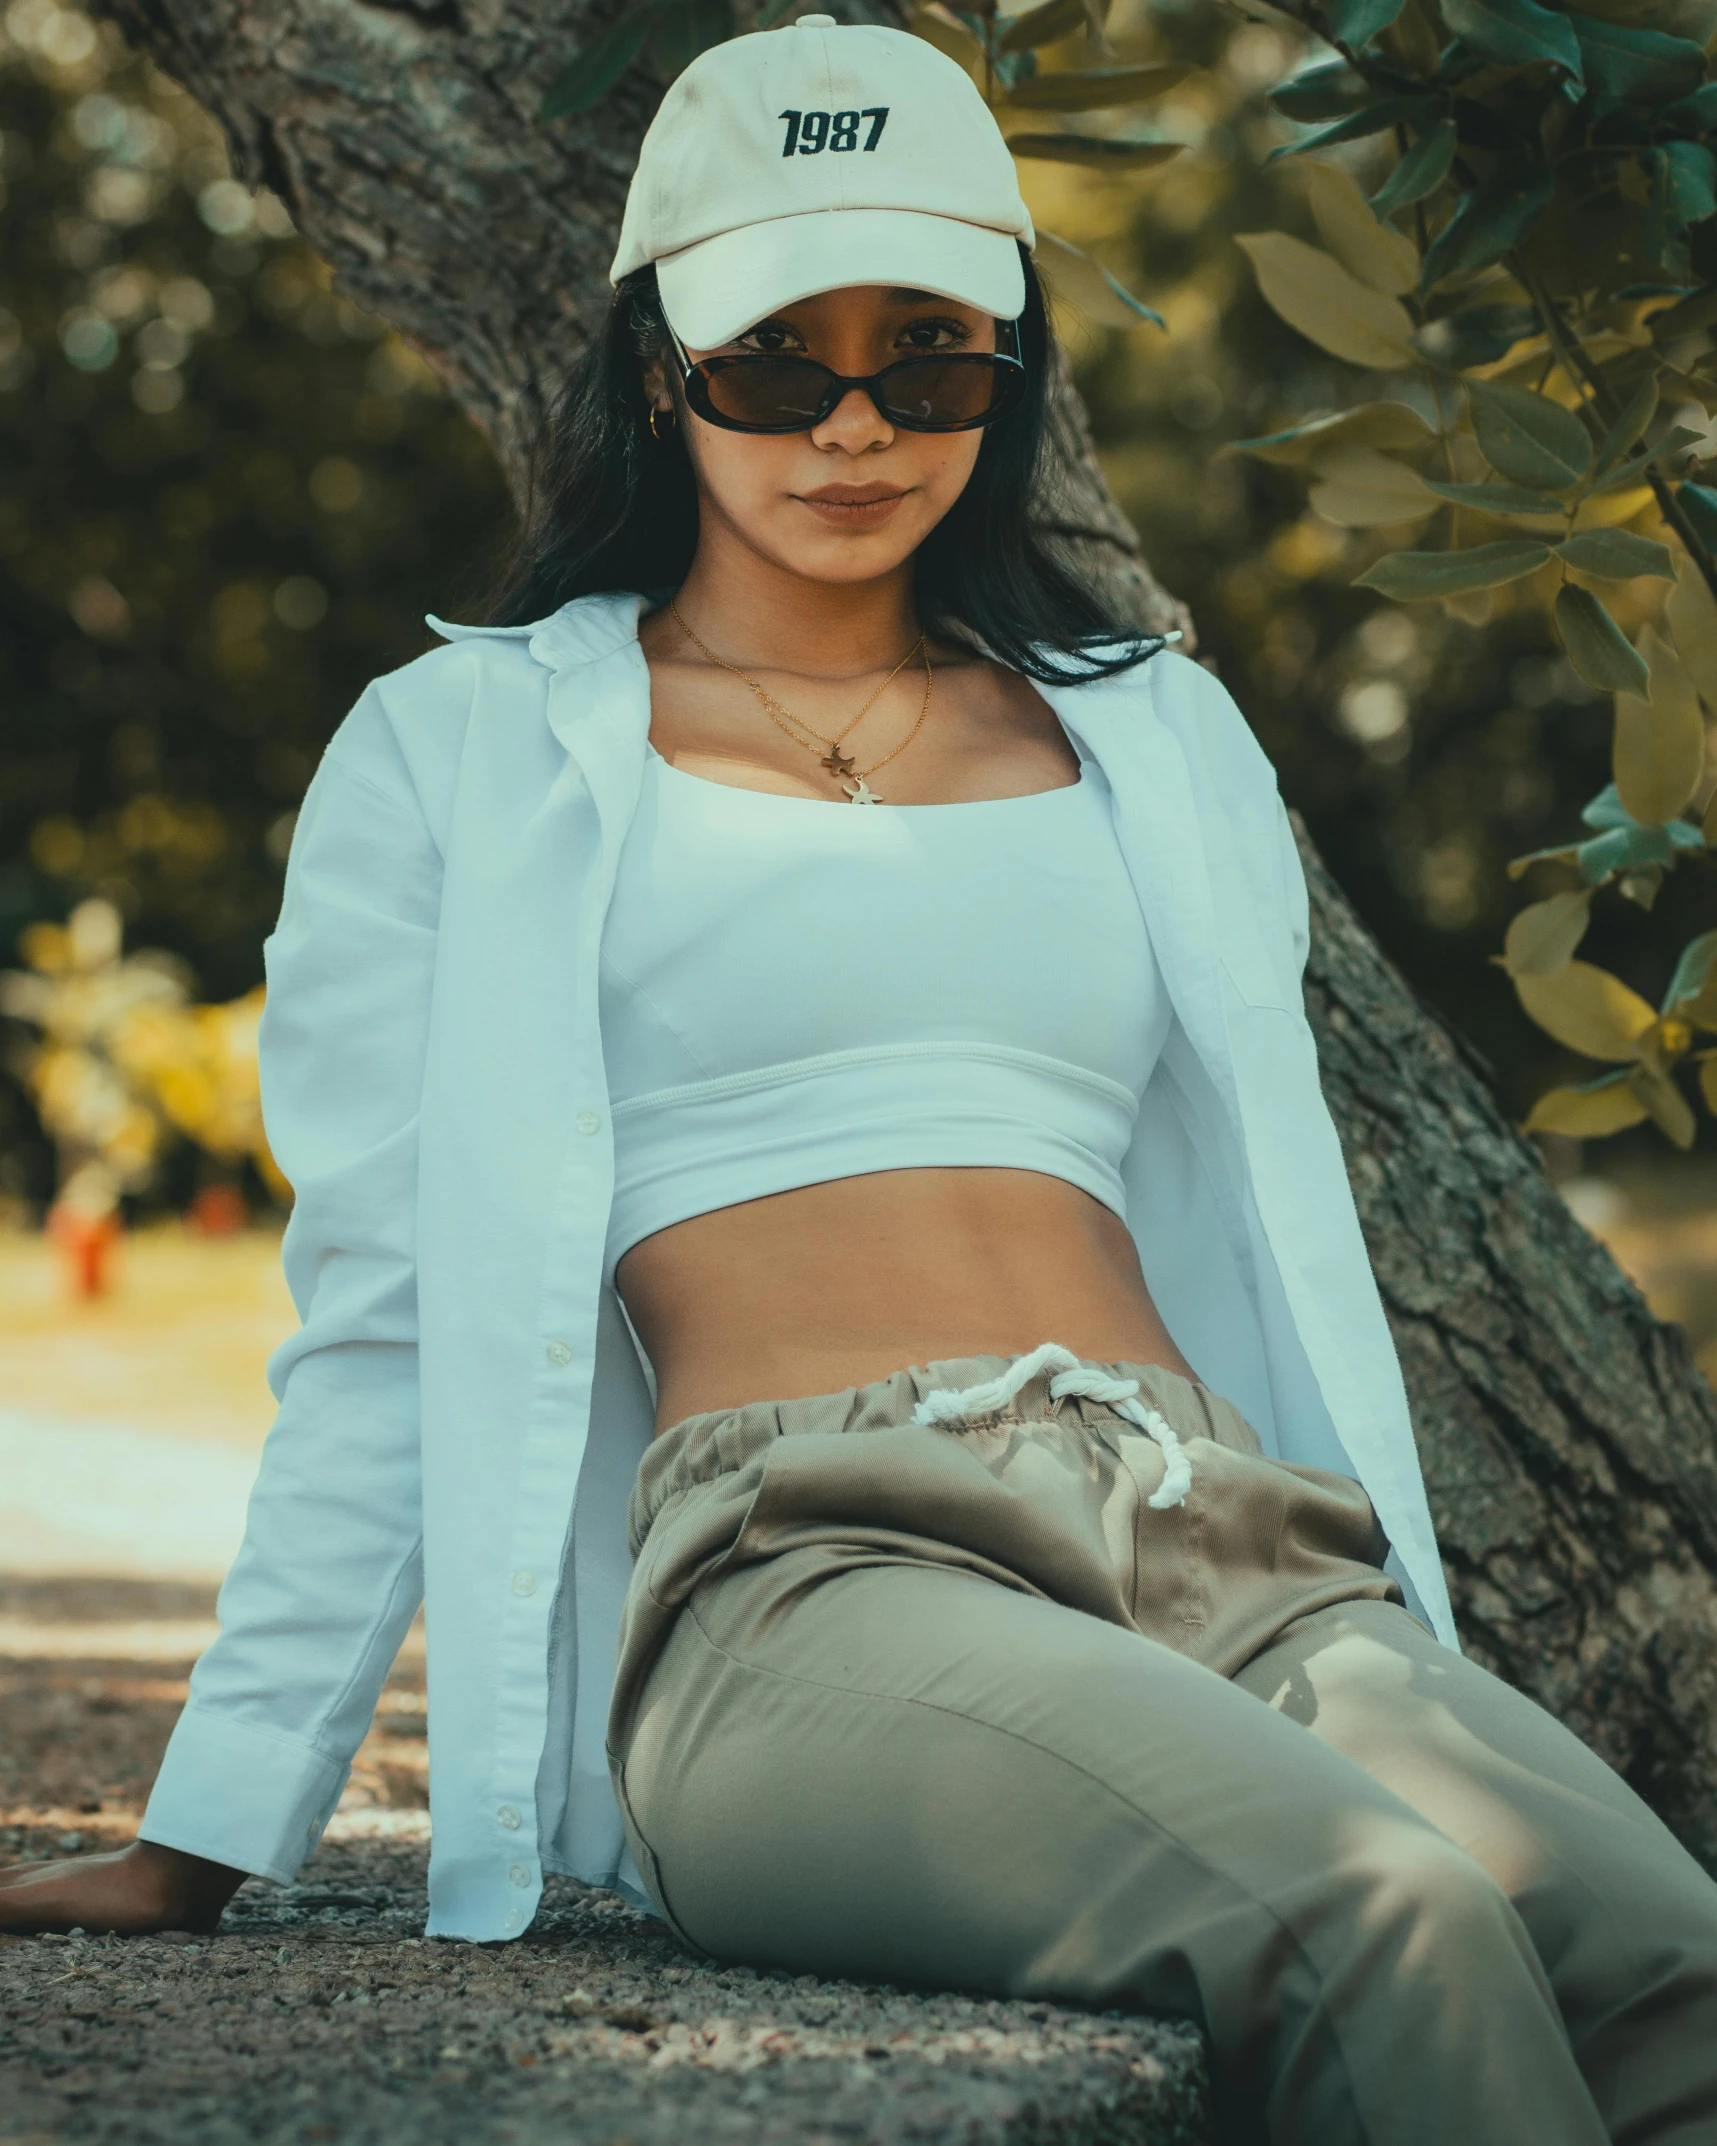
[126, 1892]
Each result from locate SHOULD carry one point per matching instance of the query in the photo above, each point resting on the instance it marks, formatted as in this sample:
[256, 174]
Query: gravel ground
[320, 2017]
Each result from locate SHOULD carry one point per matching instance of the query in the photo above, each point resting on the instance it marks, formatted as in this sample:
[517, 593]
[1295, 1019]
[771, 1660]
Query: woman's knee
[1419, 1909]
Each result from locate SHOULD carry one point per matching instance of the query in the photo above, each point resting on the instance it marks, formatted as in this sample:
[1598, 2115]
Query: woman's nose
[854, 424]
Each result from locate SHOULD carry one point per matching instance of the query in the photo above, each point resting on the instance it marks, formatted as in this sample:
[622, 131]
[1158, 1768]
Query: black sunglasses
[955, 392]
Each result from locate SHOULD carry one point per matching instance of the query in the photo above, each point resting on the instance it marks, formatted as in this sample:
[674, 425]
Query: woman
[688, 1172]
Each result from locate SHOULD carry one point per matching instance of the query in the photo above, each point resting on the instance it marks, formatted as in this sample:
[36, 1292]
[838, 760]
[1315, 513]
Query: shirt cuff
[241, 1795]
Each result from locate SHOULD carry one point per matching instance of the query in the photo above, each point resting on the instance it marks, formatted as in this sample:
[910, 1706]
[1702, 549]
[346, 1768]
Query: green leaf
[588, 78]
[1419, 173]
[1315, 294]
[1590, 1112]
[1638, 66]
[1376, 254]
[1358, 488]
[1691, 614]
[1687, 316]
[1622, 849]
[1691, 970]
[1606, 810]
[1615, 555]
[1527, 438]
[1045, 25]
[1371, 119]
[684, 28]
[1699, 503]
[1691, 182]
[1321, 93]
[771, 12]
[1372, 424]
[1487, 221]
[1497, 498]
[1357, 22]
[1698, 112]
[1659, 742]
[1097, 152]
[1596, 645]
[1515, 32]
[1641, 409]
[1545, 934]
[951, 35]
[1420, 576]
[1587, 1009]
[1086, 283]
[1479, 336]
[1092, 89]
[1673, 441]
[1670, 1110]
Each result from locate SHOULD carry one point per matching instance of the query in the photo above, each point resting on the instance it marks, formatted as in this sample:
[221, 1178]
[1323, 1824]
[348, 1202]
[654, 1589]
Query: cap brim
[722, 285]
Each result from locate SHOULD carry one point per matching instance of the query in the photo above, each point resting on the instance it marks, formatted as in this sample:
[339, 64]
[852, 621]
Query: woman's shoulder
[1194, 703]
[1205, 716]
[409, 727]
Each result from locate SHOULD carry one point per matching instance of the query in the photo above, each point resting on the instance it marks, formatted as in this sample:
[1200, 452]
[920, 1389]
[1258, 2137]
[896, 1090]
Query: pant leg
[907, 1772]
[1622, 1917]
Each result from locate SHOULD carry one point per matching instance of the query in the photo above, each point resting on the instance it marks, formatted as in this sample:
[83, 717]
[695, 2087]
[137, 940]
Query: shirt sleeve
[329, 1574]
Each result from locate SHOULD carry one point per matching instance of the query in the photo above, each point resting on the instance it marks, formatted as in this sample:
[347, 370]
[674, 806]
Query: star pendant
[861, 792]
[837, 762]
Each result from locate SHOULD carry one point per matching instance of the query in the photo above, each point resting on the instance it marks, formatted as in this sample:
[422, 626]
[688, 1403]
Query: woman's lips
[852, 506]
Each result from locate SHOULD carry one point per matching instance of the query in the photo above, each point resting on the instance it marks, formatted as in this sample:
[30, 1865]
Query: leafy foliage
[229, 496]
[1551, 178]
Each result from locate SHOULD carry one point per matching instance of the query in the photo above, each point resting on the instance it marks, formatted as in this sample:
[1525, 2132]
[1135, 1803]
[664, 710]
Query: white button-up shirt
[463, 1409]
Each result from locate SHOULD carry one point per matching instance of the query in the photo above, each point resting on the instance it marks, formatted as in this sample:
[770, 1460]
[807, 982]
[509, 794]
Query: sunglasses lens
[774, 394]
[936, 394]
[791, 394]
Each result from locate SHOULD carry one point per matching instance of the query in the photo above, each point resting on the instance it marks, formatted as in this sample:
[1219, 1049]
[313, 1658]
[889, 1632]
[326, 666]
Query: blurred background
[228, 498]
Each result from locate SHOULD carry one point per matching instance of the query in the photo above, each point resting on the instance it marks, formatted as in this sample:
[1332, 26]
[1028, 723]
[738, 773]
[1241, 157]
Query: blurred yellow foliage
[125, 1063]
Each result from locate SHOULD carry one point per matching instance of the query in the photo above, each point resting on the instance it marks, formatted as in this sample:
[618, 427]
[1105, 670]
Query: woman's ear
[657, 395]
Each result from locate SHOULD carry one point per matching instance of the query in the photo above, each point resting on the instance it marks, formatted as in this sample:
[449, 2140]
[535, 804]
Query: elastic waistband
[1049, 1382]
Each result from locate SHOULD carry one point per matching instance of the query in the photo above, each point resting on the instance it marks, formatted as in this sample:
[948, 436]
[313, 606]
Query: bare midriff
[835, 1285]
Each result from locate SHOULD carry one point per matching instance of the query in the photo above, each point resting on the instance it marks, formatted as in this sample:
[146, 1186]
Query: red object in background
[86, 1243]
[218, 1210]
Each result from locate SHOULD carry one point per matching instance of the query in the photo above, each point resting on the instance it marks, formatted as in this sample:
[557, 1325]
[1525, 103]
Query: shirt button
[587, 1121]
[509, 1817]
[524, 1583]
[559, 1353]
[520, 1874]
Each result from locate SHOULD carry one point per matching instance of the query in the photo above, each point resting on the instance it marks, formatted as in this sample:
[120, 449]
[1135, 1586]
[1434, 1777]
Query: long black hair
[610, 507]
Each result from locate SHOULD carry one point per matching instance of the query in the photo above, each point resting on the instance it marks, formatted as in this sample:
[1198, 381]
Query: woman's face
[851, 499]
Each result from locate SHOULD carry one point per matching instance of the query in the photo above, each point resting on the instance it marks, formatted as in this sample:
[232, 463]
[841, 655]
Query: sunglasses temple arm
[686, 366]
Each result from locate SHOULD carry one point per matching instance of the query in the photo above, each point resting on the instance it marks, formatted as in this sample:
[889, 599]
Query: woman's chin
[816, 552]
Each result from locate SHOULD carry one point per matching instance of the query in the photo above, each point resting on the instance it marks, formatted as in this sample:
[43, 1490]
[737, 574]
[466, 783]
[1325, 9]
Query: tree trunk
[1569, 1443]
[1568, 1440]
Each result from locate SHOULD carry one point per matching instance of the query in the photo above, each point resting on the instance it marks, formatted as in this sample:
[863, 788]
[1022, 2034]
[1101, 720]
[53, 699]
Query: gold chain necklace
[839, 764]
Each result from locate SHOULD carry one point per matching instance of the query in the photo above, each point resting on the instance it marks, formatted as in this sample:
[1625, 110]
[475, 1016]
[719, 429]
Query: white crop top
[794, 991]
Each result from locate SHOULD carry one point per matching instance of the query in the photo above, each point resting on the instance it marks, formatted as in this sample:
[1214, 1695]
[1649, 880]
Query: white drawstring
[1072, 1375]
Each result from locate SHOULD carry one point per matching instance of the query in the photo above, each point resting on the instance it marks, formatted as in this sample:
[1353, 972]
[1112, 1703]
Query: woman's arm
[329, 1574]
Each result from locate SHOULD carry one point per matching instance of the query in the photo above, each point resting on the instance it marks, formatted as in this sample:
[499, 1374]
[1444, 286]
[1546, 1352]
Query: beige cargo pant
[1002, 1702]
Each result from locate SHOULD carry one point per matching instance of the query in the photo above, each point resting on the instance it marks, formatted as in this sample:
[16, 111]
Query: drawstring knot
[1070, 1376]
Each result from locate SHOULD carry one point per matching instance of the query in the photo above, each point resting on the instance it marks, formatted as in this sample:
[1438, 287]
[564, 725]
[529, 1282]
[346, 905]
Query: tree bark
[1569, 1443]
[1568, 1440]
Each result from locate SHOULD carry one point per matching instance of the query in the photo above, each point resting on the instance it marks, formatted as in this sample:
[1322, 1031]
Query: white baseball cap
[793, 161]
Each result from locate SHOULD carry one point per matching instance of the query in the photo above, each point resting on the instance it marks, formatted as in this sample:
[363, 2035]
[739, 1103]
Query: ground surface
[320, 2017]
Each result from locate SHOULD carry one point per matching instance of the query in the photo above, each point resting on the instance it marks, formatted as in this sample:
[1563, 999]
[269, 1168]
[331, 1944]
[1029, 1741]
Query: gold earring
[656, 416]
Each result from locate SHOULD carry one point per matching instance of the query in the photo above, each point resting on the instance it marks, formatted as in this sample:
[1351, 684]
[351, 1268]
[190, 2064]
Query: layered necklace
[852, 779]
